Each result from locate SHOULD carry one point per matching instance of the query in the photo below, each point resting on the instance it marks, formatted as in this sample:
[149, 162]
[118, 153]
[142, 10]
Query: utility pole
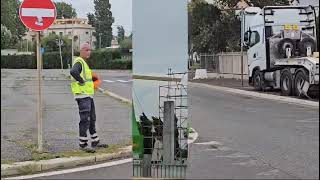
[242, 41]
[100, 40]
[27, 45]
[60, 43]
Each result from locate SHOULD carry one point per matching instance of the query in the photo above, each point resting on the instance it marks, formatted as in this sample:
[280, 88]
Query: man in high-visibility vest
[82, 87]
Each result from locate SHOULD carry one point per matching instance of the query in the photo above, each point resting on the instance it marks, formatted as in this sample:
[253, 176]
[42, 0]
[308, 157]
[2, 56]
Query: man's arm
[75, 72]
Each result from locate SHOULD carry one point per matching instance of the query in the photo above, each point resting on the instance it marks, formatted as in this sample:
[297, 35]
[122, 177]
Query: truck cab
[281, 48]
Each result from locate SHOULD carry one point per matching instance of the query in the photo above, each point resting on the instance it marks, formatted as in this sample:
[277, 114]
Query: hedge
[101, 59]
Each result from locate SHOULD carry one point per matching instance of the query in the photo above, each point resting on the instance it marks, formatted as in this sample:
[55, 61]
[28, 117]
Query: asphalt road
[119, 82]
[60, 115]
[239, 137]
[242, 137]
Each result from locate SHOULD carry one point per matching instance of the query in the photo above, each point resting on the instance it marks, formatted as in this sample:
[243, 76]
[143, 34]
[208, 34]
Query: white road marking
[108, 81]
[209, 143]
[269, 173]
[118, 80]
[249, 163]
[312, 120]
[224, 148]
[107, 164]
[123, 81]
[235, 155]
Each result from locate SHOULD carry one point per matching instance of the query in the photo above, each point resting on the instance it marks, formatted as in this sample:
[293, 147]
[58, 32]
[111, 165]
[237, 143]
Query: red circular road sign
[37, 15]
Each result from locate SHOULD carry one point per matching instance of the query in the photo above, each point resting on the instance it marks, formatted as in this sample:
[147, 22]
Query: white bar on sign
[37, 12]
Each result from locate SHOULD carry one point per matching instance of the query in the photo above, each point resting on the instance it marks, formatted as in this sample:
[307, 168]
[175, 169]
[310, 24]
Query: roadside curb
[20, 168]
[115, 96]
[285, 99]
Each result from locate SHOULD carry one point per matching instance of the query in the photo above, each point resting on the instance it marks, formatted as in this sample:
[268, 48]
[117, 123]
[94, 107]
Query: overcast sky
[121, 11]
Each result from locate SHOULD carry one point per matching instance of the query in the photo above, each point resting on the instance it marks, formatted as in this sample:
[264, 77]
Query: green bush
[19, 62]
[101, 59]
[52, 60]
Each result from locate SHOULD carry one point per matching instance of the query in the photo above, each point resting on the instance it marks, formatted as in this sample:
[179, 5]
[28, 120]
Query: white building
[78, 28]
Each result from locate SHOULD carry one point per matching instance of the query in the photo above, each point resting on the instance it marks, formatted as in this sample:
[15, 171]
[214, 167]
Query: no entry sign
[37, 15]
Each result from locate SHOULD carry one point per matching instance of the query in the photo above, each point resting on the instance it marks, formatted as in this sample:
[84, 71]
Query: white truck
[282, 48]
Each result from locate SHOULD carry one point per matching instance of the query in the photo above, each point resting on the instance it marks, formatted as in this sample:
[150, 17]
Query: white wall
[160, 36]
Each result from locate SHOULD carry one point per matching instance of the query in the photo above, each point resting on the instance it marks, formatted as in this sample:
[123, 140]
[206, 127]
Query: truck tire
[307, 42]
[300, 78]
[284, 44]
[257, 80]
[286, 81]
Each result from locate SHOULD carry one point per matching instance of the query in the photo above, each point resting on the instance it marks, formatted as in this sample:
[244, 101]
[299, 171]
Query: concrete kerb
[44, 165]
[115, 96]
[272, 97]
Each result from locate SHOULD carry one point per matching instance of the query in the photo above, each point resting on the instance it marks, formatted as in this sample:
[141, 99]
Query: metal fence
[224, 63]
[209, 62]
[177, 171]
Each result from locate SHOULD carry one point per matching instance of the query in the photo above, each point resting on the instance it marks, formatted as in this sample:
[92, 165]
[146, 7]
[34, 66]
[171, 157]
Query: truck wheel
[286, 81]
[300, 79]
[257, 80]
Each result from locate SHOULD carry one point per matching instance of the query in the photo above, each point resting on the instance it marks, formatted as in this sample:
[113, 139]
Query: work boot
[97, 144]
[88, 149]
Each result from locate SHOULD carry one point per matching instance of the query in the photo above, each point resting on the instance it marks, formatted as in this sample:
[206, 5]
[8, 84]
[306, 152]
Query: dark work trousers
[87, 121]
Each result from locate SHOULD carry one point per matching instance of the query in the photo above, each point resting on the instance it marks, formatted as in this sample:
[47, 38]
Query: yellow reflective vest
[88, 87]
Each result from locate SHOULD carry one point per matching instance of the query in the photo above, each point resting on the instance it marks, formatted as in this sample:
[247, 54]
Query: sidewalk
[60, 115]
[237, 84]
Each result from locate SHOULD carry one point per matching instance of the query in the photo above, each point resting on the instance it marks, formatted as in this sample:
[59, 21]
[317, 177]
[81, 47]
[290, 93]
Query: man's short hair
[84, 45]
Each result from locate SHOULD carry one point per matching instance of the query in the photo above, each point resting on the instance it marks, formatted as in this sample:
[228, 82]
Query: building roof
[71, 21]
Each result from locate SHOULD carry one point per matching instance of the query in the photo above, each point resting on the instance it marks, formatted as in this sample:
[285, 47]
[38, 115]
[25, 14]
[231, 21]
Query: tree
[5, 37]
[121, 33]
[215, 27]
[10, 19]
[204, 23]
[65, 10]
[50, 43]
[103, 22]
[126, 43]
[91, 19]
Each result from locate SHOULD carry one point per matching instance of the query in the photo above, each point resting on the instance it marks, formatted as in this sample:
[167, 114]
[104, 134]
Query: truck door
[256, 52]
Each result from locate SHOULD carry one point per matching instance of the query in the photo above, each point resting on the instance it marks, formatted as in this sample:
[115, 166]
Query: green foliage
[121, 33]
[50, 43]
[19, 62]
[65, 10]
[91, 18]
[126, 43]
[101, 59]
[214, 27]
[102, 22]
[204, 19]
[23, 47]
[10, 19]
[5, 37]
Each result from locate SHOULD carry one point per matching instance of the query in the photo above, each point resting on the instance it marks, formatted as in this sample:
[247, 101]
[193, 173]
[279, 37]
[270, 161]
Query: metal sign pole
[60, 43]
[39, 94]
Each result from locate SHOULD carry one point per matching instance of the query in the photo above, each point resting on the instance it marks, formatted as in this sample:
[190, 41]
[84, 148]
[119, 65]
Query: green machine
[137, 137]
